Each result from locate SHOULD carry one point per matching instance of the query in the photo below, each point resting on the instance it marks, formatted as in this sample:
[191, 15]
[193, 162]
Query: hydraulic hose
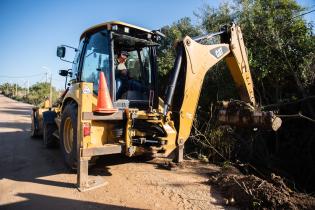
[171, 87]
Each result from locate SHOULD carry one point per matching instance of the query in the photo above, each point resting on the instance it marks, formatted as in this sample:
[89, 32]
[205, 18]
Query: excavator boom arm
[191, 66]
[237, 62]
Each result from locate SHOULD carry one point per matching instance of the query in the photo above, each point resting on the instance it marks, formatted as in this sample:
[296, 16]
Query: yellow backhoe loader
[140, 122]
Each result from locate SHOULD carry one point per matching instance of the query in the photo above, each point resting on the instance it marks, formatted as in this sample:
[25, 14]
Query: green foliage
[213, 141]
[280, 45]
[37, 92]
[7, 89]
[280, 48]
[218, 83]
[166, 52]
[212, 19]
[12, 90]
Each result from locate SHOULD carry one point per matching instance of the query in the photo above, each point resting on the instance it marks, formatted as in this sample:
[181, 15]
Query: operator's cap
[125, 53]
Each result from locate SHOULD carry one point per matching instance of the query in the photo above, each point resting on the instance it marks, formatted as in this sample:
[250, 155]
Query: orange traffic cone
[104, 102]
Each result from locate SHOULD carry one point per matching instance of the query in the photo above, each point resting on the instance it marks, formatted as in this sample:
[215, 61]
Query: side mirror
[66, 73]
[61, 52]
[63, 73]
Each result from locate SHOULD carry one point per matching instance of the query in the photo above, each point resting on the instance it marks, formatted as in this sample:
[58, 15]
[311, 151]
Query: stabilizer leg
[179, 153]
[83, 181]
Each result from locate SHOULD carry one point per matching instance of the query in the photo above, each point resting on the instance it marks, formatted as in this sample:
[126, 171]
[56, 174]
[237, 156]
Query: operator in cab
[124, 81]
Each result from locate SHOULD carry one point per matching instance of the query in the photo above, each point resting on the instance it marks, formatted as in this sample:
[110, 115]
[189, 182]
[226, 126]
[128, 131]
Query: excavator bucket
[242, 114]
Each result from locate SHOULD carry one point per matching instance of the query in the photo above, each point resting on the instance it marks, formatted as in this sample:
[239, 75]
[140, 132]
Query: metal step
[103, 150]
[92, 116]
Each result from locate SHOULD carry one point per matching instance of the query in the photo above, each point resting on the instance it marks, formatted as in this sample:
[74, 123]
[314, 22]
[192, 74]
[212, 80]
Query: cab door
[74, 76]
[97, 57]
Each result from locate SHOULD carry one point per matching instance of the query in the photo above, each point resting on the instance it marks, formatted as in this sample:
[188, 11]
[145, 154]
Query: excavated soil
[252, 192]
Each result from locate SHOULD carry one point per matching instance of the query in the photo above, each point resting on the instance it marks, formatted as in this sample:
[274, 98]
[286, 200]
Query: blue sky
[31, 30]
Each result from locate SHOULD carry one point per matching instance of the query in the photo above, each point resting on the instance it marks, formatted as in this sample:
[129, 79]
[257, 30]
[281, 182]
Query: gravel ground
[32, 177]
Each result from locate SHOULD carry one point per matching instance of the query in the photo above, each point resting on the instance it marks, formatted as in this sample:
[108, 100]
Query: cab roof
[108, 26]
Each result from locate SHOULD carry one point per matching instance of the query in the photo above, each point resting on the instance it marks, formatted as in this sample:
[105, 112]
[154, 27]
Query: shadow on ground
[16, 125]
[20, 110]
[35, 201]
[23, 158]
[17, 112]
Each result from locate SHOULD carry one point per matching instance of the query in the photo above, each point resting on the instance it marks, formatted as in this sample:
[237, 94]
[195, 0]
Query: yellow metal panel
[73, 93]
[128, 133]
[170, 138]
[85, 93]
[239, 68]
[199, 61]
[101, 133]
[108, 24]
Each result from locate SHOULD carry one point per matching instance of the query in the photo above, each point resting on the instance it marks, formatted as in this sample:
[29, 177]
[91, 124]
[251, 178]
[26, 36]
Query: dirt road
[32, 177]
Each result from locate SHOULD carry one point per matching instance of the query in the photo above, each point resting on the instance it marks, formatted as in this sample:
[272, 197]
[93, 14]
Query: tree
[166, 52]
[39, 92]
[12, 90]
[7, 88]
[281, 47]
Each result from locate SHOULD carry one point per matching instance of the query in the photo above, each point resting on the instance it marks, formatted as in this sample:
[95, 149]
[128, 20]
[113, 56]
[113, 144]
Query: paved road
[32, 177]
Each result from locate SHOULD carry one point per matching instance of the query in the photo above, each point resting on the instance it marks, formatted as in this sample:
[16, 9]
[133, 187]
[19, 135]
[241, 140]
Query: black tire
[49, 140]
[34, 131]
[70, 154]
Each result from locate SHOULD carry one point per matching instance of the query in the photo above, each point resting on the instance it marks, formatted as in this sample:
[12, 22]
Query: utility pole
[11, 87]
[28, 87]
[50, 94]
[46, 76]
[16, 89]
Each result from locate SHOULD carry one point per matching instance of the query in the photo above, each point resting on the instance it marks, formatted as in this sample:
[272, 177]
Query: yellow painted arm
[199, 59]
[237, 62]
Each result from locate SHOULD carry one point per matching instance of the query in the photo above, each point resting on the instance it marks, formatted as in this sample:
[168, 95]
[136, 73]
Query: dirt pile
[249, 191]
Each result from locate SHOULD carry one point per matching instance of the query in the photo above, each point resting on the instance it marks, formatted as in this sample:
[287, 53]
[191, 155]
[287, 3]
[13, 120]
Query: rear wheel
[49, 140]
[68, 135]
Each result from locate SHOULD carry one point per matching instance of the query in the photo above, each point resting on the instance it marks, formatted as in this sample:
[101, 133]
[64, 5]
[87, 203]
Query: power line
[59, 80]
[34, 75]
[304, 13]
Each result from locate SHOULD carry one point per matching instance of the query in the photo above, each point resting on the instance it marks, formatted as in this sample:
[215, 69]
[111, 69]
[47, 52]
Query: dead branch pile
[249, 191]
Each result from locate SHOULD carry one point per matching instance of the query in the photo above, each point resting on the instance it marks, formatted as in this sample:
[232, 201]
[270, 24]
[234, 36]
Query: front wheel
[68, 135]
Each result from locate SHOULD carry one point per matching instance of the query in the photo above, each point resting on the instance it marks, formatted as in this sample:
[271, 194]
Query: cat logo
[219, 51]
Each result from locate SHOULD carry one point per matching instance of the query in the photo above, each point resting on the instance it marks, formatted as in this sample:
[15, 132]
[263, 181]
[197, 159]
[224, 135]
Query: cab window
[139, 66]
[76, 63]
[145, 60]
[97, 58]
[133, 65]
